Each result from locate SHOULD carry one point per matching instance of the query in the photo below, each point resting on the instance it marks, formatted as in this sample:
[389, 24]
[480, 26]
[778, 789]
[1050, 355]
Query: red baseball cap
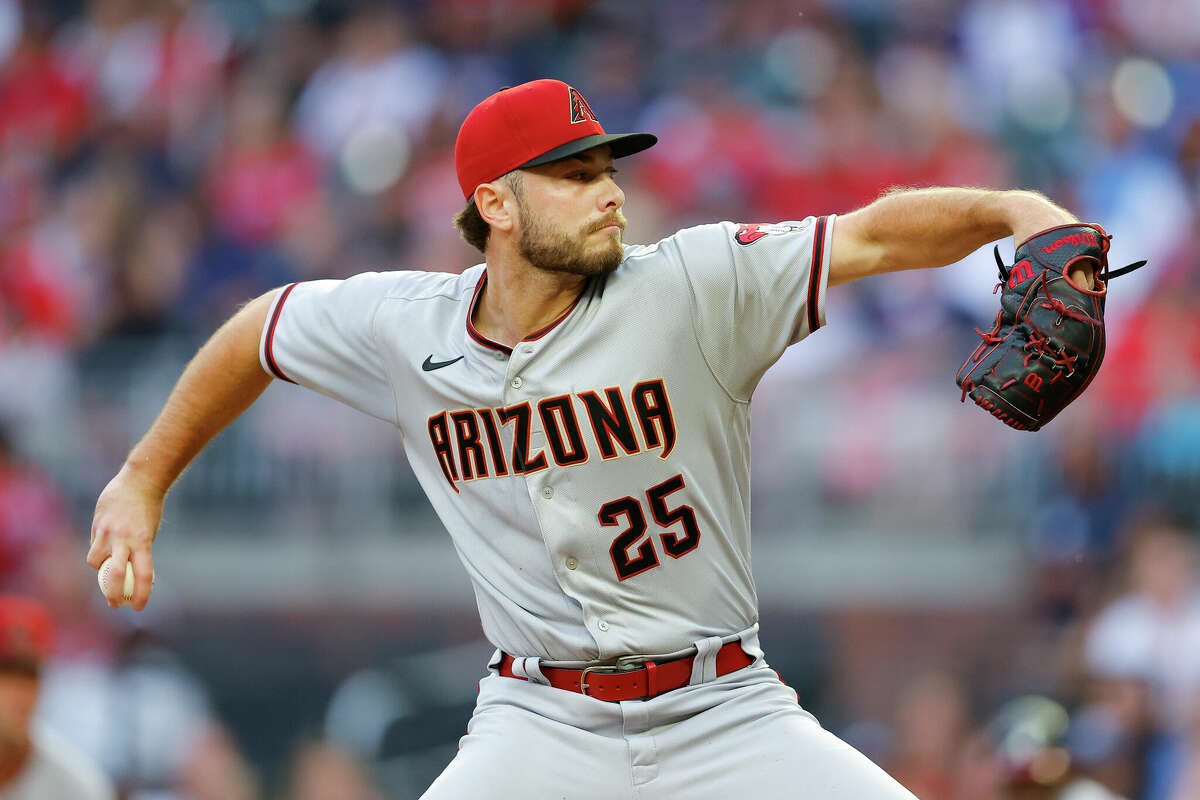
[26, 632]
[534, 123]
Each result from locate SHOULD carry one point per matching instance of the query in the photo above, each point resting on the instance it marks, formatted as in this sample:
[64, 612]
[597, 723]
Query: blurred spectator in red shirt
[156, 65]
[264, 175]
[41, 106]
[1156, 359]
[55, 274]
[31, 512]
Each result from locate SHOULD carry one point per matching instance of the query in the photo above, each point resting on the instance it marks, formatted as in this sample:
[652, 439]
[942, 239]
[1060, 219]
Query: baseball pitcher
[578, 410]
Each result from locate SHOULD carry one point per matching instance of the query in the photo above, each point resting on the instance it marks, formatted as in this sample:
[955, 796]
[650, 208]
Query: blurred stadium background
[312, 635]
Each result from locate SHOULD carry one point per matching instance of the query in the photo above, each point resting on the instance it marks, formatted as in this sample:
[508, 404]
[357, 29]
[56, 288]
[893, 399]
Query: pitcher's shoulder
[675, 244]
[427, 285]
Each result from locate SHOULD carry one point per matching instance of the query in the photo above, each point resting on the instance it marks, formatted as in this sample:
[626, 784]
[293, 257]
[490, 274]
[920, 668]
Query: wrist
[1032, 214]
[138, 471]
[1028, 213]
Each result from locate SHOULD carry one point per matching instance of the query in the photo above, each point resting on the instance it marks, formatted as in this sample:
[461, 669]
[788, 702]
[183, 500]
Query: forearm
[916, 228]
[222, 380]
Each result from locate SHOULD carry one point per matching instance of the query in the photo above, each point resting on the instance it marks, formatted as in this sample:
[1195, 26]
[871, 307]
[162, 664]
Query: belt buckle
[603, 669]
[624, 664]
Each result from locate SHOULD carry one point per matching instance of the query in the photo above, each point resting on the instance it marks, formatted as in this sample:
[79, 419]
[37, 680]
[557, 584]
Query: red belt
[613, 682]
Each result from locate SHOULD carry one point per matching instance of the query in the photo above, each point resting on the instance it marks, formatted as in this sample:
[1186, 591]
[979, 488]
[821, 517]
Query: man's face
[570, 214]
[18, 698]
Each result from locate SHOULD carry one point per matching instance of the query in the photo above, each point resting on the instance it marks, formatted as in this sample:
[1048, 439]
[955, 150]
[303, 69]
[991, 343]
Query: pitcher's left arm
[917, 228]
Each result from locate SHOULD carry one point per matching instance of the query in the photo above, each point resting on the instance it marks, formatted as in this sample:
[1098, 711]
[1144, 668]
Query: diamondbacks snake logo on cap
[580, 110]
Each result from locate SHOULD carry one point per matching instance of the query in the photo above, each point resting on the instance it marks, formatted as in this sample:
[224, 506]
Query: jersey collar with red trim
[486, 342]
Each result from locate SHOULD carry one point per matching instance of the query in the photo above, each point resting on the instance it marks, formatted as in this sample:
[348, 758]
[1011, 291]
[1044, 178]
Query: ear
[497, 206]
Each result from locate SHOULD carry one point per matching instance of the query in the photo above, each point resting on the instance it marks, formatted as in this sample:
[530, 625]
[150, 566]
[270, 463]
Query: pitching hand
[124, 525]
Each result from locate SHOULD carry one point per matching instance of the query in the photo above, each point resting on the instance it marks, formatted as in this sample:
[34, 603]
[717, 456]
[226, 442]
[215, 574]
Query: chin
[582, 256]
[610, 259]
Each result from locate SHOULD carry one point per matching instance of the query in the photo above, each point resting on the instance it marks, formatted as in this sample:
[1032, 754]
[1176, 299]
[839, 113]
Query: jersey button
[602, 625]
[516, 382]
[572, 562]
[547, 492]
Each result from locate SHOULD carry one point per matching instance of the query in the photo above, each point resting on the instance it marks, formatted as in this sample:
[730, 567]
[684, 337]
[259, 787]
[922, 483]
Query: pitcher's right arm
[223, 379]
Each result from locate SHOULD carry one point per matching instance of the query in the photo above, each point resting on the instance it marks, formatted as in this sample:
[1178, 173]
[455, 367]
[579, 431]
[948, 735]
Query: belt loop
[651, 679]
[529, 668]
[749, 639]
[704, 665]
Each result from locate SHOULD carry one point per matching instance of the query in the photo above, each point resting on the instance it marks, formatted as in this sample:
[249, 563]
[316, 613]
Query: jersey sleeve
[321, 335]
[756, 288]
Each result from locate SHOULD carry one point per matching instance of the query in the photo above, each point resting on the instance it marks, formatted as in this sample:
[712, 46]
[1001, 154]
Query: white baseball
[105, 577]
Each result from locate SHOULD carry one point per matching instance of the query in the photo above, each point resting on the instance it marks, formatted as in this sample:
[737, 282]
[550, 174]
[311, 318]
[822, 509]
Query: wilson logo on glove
[1020, 273]
[1075, 240]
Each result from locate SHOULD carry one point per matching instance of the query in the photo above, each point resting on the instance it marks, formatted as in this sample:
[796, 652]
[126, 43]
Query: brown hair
[471, 226]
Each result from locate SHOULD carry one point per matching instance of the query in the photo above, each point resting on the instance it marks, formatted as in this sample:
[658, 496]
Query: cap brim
[622, 144]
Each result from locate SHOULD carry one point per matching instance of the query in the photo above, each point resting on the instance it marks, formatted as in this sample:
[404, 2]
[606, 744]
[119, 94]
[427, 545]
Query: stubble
[555, 251]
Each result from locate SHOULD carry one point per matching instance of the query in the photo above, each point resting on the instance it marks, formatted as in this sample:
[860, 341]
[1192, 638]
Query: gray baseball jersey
[595, 479]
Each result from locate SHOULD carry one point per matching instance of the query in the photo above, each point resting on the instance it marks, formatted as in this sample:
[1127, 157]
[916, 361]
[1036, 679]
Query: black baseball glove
[1048, 340]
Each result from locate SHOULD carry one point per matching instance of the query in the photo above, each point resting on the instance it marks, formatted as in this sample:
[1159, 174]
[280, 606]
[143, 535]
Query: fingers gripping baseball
[124, 526]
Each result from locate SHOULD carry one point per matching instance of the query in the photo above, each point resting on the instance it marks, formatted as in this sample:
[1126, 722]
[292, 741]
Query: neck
[520, 299]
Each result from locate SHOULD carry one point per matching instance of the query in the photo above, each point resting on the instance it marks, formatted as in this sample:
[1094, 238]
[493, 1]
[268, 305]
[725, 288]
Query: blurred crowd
[162, 161]
[1103, 705]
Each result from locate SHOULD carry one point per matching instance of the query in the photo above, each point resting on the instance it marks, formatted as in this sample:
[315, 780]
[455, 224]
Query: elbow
[858, 251]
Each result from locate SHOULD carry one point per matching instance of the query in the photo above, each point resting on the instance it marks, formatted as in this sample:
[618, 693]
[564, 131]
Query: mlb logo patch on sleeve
[751, 232]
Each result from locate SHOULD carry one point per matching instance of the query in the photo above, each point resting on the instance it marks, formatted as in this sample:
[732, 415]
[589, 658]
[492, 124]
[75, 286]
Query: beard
[555, 251]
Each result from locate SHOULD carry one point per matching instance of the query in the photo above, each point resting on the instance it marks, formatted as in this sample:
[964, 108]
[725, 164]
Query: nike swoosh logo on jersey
[430, 365]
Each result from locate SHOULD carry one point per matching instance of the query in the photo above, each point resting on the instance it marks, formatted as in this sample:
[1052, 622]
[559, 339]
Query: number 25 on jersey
[629, 511]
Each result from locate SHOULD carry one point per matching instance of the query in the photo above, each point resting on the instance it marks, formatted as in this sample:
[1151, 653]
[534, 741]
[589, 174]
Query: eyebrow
[587, 162]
